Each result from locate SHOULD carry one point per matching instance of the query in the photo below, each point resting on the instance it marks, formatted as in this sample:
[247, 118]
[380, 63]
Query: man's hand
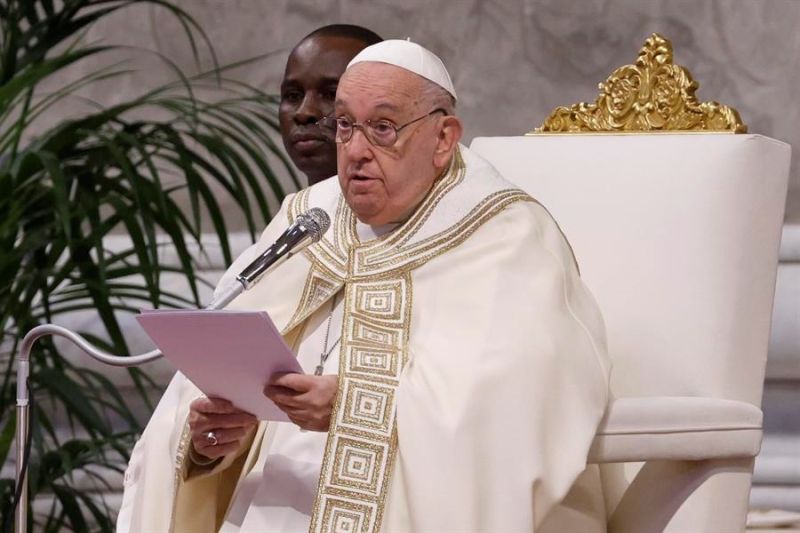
[307, 400]
[228, 424]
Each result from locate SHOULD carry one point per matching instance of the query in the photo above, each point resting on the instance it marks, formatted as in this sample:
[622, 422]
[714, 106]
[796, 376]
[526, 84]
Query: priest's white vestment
[472, 375]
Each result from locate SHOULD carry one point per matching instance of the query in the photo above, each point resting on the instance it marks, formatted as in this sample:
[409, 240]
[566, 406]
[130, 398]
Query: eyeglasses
[379, 132]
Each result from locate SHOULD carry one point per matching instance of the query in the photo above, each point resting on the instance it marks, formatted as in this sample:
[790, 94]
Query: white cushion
[676, 428]
[677, 237]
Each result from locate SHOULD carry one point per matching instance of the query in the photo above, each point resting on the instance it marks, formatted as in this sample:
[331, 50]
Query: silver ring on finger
[211, 438]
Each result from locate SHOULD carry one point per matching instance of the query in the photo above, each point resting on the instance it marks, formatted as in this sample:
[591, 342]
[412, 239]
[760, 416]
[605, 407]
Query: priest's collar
[367, 232]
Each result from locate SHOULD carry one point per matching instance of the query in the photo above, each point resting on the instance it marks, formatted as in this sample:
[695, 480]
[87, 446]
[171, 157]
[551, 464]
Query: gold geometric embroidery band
[362, 439]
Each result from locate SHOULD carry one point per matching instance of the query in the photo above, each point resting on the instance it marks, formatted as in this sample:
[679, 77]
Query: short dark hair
[350, 31]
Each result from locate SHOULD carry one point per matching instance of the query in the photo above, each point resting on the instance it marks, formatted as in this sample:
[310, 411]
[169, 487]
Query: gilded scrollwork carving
[651, 95]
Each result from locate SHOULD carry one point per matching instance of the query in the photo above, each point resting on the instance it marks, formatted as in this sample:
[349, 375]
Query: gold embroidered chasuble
[362, 440]
[378, 280]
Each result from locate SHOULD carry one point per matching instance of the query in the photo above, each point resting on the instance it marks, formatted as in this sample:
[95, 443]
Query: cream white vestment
[472, 373]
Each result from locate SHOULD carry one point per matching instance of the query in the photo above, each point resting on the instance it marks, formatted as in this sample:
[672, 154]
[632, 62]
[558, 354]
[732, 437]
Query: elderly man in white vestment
[455, 363]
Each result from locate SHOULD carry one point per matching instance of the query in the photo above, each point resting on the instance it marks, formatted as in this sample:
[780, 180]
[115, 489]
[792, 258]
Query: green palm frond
[71, 190]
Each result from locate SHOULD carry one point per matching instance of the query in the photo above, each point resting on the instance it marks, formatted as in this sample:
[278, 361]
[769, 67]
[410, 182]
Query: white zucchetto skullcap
[409, 56]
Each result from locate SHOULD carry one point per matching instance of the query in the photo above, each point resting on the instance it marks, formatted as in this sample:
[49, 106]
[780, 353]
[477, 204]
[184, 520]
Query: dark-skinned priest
[455, 364]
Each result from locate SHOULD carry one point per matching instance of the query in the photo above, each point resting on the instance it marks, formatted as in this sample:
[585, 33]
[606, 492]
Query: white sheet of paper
[227, 354]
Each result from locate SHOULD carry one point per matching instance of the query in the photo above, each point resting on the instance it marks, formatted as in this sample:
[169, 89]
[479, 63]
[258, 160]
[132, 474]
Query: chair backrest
[677, 236]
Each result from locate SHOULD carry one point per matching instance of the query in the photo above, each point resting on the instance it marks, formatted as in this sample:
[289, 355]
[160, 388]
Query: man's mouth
[361, 183]
[308, 143]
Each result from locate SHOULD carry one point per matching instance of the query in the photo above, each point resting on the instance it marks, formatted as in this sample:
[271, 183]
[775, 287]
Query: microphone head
[317, 221]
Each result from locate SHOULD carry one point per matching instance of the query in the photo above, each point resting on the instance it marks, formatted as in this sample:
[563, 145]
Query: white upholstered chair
[676, 231]
[677, 236]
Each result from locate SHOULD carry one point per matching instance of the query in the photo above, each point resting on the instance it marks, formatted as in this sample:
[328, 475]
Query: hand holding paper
[230, 426]
[308, 400]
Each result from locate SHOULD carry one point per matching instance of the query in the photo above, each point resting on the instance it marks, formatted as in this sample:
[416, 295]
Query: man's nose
[309, 110]
[358, 147]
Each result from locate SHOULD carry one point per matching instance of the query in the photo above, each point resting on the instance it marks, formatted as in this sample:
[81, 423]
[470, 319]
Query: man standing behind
[308, 90]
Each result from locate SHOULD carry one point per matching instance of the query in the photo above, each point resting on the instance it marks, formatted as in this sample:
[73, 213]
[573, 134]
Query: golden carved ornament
[653, 95]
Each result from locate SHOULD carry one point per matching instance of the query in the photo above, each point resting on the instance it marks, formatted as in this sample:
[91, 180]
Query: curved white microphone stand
[307, 229]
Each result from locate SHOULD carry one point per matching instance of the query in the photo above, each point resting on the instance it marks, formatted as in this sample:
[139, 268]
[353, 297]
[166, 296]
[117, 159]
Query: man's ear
[447, 141]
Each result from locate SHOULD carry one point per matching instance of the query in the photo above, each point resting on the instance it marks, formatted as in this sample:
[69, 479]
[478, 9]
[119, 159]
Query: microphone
[307, 229]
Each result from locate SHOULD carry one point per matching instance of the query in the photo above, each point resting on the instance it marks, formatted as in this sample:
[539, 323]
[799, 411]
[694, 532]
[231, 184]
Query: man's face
[384, 184]
[308, 91]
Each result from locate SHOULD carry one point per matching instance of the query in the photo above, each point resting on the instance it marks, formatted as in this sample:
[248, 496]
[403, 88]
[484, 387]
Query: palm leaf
[68, 192]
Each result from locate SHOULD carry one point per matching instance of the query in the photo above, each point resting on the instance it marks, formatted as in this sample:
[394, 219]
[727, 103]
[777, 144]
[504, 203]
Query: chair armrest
[676, 428]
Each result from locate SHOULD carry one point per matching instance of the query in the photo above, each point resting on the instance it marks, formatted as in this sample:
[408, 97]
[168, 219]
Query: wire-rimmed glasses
[379, 132]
